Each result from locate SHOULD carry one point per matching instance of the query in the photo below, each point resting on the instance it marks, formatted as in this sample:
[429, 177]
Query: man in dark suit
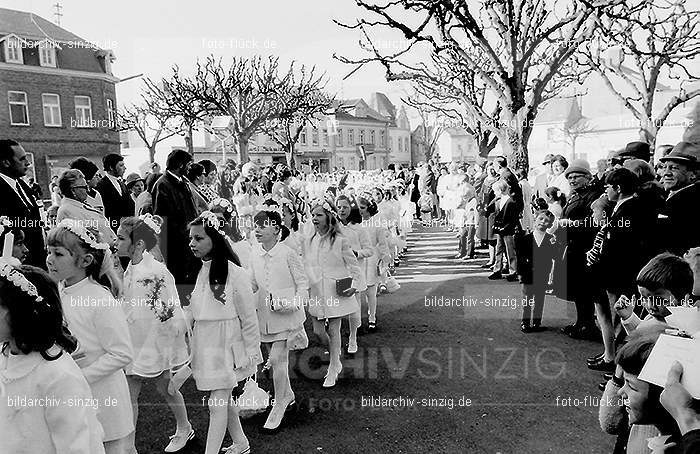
[172, 200]
[115, 196]
[680, 218]
[18, 201]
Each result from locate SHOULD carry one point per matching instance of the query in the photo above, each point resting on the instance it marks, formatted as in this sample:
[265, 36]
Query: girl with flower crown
[350, 217]
[98, 322]
[376, 265]
[35, 364]
[226, 338]
[281, 288]
[224, 210]
[334, 277]
[156, 321]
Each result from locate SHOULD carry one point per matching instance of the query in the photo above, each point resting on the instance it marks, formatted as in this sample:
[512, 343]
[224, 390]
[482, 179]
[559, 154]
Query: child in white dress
[351, 219]
[156, 321]
[334, 277]
[376, 265]
[35, 364]
[97, 320]
[282, 290]
[226, 338]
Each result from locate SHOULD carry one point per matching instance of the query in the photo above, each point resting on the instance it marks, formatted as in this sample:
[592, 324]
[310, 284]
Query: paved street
[462, 379]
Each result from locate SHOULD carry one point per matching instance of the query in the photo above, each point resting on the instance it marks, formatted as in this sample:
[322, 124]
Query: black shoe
[601, 386]
[511, 277]
[525, 327]
[371, 327]
[608, 376]
[595, 358]
[603, 366]
[460, 256]
[537, 328]
[495, 275]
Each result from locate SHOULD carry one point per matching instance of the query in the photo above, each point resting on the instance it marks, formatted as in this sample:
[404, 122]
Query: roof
[379, 102]
[30, 26]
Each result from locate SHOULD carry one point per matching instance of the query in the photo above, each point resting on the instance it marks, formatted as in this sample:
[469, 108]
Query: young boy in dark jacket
[536, 252]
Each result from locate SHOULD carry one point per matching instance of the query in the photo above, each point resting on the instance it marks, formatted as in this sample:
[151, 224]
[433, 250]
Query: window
[351, 137]
[400, 144]
[13, 50]
[362, 136]
[341, 162]
[110, 114]
[83, 112]
[371, 137]
[405, 144]
[302, 136]
[52, 109]
[382, 138]
[325, 136]
[19, 110]
[339, 138]
[391, 141]
[47, 55]
[314, 136]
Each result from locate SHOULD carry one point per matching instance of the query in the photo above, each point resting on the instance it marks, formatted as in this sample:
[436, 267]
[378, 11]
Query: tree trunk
[188, 140]
[289, 154]
[152, 154]
[515, 148]
[647, 133]
[243, 149]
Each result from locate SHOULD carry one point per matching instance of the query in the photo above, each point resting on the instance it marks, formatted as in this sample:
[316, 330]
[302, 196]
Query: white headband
[212, 221]
[223, 203]
[16, 278]
[152, 222]
[84, 234]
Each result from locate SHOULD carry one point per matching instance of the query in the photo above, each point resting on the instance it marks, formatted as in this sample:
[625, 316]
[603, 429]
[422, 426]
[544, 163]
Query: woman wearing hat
[137, 188]
[559, 179]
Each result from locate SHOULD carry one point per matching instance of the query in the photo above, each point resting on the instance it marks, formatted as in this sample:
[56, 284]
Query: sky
[150, 36]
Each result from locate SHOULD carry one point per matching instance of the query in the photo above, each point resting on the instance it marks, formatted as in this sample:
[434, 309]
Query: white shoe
[234, 449]
[274, 419]
[179, 441]
[352, 346]
[331, 377]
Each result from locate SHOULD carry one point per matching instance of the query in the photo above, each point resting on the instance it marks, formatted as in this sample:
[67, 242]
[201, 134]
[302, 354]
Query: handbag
[342, 285]
[254, 399]
[282, 303]
[297, 340]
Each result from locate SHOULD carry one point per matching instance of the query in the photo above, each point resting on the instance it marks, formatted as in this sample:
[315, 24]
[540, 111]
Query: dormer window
[13, 50]
[47, 55]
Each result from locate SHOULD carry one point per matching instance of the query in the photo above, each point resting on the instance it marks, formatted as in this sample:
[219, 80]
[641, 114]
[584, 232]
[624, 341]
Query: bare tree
[151, 124]
[249, 90]
[300, 104]
[433, 122]
[639, 44]
[520, 50]
[178, 103]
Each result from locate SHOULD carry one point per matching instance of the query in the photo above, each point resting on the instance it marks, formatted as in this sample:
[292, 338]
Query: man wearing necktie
[172, 200]
[18, 202]
[116, 198]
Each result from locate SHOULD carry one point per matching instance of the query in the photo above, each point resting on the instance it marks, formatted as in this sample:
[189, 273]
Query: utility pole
[57, 14]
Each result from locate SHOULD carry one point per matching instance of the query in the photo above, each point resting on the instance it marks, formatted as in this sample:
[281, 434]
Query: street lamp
[221, 125]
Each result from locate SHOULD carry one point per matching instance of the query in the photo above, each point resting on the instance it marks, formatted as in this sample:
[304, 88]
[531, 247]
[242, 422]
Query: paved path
[461, 378]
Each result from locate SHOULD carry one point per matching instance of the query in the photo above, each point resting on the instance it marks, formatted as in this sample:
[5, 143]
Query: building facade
[59, 91]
